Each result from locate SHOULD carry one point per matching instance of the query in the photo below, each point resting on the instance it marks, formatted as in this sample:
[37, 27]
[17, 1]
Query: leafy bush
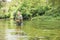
[26, 16]
[40, 10]
[53, 12]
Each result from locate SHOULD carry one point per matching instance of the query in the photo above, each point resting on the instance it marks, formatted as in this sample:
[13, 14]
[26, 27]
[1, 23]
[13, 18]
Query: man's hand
[17, 20]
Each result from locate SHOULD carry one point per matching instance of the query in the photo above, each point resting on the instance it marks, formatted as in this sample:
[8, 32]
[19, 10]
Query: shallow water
[7, 32]
[10, 36]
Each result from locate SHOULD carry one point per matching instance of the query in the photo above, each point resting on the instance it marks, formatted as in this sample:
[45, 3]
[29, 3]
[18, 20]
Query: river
[8, 31]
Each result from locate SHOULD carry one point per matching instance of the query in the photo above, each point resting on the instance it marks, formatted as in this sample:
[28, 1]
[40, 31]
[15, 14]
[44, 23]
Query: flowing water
[8, 31]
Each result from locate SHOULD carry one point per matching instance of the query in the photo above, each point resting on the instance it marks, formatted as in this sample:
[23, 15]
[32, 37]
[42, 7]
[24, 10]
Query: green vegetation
[33, 7]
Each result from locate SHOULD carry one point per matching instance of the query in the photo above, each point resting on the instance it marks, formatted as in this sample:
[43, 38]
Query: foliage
[0, 5]
[33, 8]
[53, 12]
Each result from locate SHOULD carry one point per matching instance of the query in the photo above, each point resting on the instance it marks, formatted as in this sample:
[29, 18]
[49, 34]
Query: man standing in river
[19, 21]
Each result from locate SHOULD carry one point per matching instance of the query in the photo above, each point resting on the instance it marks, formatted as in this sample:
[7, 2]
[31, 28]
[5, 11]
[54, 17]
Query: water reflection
[11, 23]
[10, 35]
[8, 31]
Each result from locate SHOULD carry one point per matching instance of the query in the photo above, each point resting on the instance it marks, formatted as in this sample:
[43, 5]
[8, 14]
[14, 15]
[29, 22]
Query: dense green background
[33, 7]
